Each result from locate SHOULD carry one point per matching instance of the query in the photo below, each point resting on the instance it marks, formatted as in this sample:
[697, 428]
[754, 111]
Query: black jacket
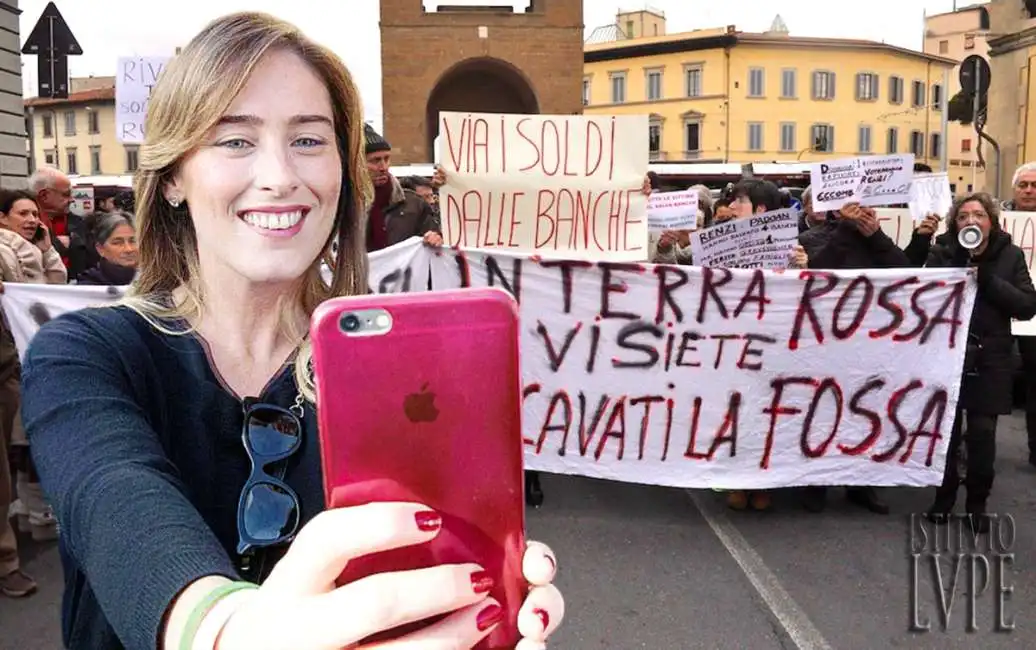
[1005, 292]
[838, 244]
[106, 273]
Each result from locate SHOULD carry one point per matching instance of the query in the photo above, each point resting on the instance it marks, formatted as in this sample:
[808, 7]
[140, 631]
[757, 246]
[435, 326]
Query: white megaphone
[970, 237]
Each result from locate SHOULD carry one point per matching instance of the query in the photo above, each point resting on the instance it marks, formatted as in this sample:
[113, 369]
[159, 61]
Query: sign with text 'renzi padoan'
[697, 377]
[867, 180]
[551, 185]
[762, 241]
[136, 77]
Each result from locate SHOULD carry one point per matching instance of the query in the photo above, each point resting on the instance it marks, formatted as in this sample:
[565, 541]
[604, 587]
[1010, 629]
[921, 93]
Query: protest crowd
[43, 243]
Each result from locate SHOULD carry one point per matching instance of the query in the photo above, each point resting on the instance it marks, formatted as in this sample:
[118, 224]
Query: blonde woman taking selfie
[253, 164]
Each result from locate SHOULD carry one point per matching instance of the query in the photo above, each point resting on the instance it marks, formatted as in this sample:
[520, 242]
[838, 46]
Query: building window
[692, 138]
[864, 140]
[755, 136]
[93, 121]
[823, 137]
[969, 41]
[586, 91]
[965, 145]
[48, 127]
[944, 47]
[892, 141]
[50, 157]
[655, 139]
[823, 85]
[73, 160]
[895, 90]
[618, 87]
[917, 94]
[866, 87]
[629, 29]
[693, 76]
[70, 122]
[756, 82]
[787, 137]
[131, 159]
[654, 85]
[935, 148]
[95, 160]
[937, 97]
[788, 83]
[917, 144]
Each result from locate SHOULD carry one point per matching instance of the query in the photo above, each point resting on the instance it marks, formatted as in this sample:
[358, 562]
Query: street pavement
[668, 569]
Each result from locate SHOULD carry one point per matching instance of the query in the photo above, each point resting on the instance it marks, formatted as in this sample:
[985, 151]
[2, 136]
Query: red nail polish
[489, 617]
[543, 615]
[481, 582]
[428, 521]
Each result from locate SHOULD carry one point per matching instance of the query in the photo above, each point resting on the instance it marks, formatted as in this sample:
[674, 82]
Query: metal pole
[978, 133]
[944, 106]
[32, 140]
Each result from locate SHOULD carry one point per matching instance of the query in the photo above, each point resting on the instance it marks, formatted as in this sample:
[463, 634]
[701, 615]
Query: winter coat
[838, 244]
[407, 215]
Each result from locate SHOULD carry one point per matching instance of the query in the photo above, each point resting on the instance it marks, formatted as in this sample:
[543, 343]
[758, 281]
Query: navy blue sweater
[138, 446]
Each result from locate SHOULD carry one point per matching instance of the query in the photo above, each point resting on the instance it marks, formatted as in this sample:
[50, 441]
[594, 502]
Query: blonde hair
[193, 93]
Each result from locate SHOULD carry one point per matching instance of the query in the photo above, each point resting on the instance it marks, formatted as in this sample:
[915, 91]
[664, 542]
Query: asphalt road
[667, 569]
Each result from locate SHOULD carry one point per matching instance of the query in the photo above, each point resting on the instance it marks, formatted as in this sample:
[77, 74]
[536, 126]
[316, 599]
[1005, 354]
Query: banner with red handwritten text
[696, 377]
[552, 185]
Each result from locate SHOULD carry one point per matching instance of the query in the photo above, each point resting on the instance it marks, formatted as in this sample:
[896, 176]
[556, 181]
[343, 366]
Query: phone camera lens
[350, 323]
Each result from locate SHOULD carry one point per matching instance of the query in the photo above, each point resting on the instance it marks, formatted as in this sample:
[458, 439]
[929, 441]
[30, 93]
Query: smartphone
[419, 399]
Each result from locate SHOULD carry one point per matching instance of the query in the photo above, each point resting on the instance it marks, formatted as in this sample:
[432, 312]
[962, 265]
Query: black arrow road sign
[52, 42]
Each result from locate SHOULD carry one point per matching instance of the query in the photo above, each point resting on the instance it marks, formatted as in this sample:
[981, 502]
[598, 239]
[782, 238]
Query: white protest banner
[696, 377]
[867, 180]
[672, 211]
[135, 77]
[930, 194]
[553, 185]
[400, 268]
[760, 241]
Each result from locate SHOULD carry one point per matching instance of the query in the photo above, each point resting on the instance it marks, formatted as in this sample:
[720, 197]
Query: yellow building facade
[77, 134]
[1012, 88]
[727, 96]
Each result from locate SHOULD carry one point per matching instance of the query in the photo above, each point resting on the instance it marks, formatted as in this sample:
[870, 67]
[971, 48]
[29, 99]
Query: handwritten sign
[82, 201]
[696, 377]
[868, 180]
[567, 185]
[135, 78]
[760, 241]
[672, 211]
[930, 194]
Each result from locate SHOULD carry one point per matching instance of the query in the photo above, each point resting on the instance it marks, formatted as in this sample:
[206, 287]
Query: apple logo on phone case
[420, 406]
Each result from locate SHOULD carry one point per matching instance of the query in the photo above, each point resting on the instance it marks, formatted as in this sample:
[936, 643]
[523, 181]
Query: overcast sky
[107, 29]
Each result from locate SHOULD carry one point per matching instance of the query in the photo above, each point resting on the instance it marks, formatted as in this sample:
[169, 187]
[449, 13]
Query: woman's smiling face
[263, 188]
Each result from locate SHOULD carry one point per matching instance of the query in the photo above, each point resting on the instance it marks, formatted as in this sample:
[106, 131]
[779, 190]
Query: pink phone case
[429, 411]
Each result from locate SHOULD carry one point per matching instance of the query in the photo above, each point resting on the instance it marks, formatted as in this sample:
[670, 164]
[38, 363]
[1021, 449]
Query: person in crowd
[749, 197]
[104, 200]
[27, 255]
[1005, 292]
[144, 455]
[395, 214]
[53, 191]
[115, 241]
[125, 202]
[850, 238]
[423, 188]
[674, 246]
[810, 218]
[721, 210]
[1023, 199]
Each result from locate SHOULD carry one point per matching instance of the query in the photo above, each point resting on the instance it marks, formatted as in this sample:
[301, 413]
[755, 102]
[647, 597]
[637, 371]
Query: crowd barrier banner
[695, 377]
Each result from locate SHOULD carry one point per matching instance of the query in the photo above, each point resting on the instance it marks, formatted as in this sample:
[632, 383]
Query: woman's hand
[799, 259]
[666, 241]
[645, 187]
[438, 177]
[929, 225]
[432, 238]
[299, 607]
[45, 243]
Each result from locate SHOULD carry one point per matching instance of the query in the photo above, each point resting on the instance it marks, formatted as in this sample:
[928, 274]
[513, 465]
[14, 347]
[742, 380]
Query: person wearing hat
[395, 214]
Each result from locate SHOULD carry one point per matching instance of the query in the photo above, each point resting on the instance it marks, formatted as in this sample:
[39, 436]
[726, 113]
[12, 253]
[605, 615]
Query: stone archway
[478, 85]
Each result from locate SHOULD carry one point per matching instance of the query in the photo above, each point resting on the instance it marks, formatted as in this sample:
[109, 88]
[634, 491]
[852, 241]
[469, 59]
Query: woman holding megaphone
[1005, 292]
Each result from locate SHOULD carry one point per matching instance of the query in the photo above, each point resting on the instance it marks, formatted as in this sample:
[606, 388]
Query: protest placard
[760, 241]
[82, 201]
[555, 185]
[867, 180]
[930, 194]
[697, 377]
[135, 78]
[672, 211]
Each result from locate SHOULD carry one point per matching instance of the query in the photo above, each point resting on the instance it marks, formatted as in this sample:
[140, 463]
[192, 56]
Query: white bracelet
[217, 618]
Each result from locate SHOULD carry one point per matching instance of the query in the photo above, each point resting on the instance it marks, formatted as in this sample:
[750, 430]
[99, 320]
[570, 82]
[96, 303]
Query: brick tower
[481, 59]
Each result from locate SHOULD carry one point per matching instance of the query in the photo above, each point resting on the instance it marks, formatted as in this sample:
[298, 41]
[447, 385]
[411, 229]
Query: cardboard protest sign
[930, 194]
[696, 377]
[556, 185]
[672, 211]
[867, 180]
[135, 78]
[762, 241]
